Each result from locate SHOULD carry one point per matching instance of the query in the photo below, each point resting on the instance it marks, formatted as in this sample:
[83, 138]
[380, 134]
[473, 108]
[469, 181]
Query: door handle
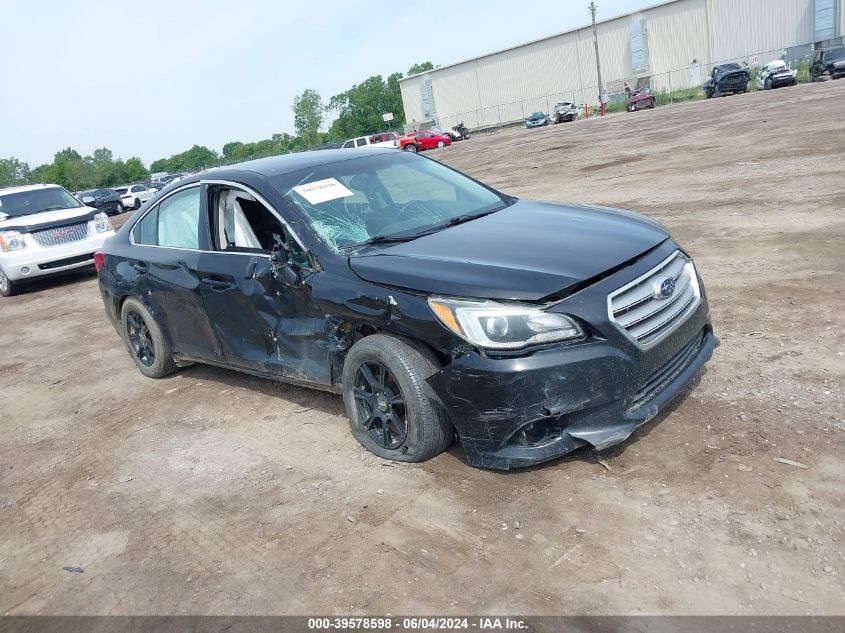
[217, 284]
[140, 267]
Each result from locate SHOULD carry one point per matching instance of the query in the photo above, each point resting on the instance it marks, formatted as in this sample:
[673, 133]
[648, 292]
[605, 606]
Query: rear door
[168, 240]
[262, 324]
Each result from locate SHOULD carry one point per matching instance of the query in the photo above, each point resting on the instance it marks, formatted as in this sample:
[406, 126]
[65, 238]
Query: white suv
[133, 196]
[44, 231]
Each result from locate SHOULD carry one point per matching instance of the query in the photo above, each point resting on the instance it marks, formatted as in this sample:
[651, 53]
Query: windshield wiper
[383, 239]
[458, 219]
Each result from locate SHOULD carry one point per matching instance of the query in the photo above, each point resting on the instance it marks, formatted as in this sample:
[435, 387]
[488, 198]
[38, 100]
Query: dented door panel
[263, 325]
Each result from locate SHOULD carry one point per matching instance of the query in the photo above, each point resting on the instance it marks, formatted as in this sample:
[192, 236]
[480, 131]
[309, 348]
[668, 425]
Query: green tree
[308, 113]
[13, 172]
[420, 68]
[359, 110]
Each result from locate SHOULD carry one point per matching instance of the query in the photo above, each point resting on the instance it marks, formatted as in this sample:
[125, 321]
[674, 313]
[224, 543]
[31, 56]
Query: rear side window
[361, 142]
[174, 222]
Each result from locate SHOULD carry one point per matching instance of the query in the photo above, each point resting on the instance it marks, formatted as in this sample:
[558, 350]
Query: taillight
[99, 258]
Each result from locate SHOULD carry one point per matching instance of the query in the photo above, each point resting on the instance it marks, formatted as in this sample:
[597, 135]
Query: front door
[262, 324]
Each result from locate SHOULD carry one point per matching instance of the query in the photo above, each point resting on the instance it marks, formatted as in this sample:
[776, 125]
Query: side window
[360, 142]
[146, 231]
[244, 223]
[178, 219]
[174, 222]
[348, 144]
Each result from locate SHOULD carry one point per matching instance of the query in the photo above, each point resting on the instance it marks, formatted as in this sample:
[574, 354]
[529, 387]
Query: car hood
[525, 252]
[46, 217]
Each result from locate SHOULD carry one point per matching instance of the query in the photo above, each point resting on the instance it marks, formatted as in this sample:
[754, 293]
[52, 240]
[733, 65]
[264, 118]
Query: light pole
[593, 8]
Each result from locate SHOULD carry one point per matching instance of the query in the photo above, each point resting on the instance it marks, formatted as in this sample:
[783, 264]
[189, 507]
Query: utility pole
[593, 8]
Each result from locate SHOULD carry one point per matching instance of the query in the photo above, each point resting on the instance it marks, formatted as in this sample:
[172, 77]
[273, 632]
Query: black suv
[727, 78]
[828, 64]
[432, 302]
[107, 200]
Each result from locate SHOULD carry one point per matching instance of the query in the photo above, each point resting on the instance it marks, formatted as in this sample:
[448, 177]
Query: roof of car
[22, 188]
[286, 163]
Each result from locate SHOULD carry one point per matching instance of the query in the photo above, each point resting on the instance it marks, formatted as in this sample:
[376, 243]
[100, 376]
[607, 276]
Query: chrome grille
[641, 312]
[61, 235]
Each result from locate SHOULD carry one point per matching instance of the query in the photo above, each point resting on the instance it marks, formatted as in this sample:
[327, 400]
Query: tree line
[355, 112]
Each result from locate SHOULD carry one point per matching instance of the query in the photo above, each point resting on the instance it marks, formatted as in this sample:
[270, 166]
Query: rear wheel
[8, 287]
[145, 340]
[392, 410]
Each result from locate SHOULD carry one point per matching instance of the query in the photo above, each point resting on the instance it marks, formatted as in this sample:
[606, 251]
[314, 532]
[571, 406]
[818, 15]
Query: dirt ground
[212, 492]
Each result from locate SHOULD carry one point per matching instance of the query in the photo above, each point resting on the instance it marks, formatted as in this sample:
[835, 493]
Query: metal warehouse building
[669, 46]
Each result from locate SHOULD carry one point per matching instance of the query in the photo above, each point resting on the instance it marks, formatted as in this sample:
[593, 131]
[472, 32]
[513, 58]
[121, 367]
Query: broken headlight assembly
[102, 223]
[11, 241]
[492, 325]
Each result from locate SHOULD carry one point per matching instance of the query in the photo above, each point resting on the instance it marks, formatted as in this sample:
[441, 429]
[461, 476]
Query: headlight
[493, 325]
[11, 241]
[102, 223]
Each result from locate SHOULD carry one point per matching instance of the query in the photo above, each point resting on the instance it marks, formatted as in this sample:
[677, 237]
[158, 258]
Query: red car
[425, 140]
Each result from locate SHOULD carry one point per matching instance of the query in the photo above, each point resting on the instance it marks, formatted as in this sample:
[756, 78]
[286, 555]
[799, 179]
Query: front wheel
[8, 287]
[145, 340]
[410, 147]
[767, 85]
[137, 204]
[392, 410]
[440, 144]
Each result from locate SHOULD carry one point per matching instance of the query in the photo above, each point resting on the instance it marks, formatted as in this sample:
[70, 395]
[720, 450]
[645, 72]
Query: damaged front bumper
[513, 412]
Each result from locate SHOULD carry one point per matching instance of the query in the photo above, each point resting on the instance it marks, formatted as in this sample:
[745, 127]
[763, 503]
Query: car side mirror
[87, 199]
[283, 268]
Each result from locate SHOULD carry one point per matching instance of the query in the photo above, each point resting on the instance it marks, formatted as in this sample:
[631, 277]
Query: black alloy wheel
[140, 339]
[380, 405]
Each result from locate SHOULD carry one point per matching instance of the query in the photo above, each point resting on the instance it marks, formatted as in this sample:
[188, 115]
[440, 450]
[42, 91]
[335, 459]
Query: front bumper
[519, 411]
[39, 261]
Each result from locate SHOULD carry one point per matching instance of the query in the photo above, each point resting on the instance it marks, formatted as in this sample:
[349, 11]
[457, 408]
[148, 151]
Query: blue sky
[151, 79]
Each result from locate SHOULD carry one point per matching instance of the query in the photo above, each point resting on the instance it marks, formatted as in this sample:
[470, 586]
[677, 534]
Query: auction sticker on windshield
[323, 191]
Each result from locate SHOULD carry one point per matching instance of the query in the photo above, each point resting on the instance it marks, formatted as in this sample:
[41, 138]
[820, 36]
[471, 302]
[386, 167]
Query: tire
[137, 204]
[145, 341]
[717, 92]
[8, 288]
[427, 429]
[708, 94]
[410, 147]
[767, 85]
[440, 144]
[651, 104]
[121, 209]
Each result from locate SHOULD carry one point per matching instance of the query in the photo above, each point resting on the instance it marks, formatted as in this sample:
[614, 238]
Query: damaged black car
[730, 78]
[434, 304]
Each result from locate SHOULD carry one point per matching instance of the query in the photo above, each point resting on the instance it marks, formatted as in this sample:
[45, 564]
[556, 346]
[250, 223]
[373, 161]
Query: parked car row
[412, 141]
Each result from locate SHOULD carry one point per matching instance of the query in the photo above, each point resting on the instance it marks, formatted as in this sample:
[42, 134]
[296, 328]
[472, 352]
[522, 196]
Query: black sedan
[727, 78]
[107, 200]
[433, 303]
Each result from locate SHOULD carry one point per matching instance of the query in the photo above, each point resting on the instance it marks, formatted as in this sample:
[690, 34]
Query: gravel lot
[215, 492]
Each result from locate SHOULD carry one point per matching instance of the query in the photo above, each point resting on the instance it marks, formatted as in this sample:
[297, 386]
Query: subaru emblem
[664, 288]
